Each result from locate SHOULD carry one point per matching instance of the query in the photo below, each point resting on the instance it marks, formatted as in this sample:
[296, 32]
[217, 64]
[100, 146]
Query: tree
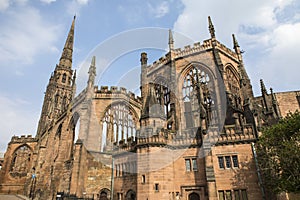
[278, 150]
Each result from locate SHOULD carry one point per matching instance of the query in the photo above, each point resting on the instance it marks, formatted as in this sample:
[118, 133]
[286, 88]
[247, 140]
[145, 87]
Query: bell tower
[60, 89]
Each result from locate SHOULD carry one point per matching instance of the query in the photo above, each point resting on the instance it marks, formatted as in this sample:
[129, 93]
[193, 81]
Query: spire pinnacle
[235, 43]
[92, 72]
[171, 40]
[67, 54]
[211, 28]
[263, 87]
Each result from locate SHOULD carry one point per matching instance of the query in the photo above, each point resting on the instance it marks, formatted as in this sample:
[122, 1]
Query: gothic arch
[104, 194]
[163, 93]
[72, 124]
[119, 123]
[232, 79]
[21, 161]
[198, 94]
[194, 196]
[130, 195]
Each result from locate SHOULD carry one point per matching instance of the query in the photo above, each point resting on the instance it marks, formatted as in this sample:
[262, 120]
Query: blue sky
[33, 33]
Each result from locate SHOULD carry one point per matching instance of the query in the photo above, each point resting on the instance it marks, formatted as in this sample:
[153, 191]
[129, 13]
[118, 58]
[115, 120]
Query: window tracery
[21, 159]
[118, 125]
[198, 97]
[163, 95]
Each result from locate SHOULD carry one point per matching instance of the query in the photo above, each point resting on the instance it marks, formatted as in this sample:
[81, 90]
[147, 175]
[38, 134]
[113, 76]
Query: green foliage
[278, 151]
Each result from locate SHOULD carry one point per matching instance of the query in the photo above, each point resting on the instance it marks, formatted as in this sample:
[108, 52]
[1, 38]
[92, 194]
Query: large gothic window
[163, 95]
[234, 88]
[118, 125]
[232, 81]
[198, 96]
[21, 160]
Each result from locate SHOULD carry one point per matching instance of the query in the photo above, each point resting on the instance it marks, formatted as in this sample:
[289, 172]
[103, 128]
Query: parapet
[23, 139]
[114, 90]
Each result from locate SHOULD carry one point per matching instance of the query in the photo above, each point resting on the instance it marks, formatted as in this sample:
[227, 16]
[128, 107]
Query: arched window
[130, 195]
[232, 81]
[118, 125]
[198, 96]
[21, 160]
[163, 94]
[194, 196]
[234, 88]
[64, 78]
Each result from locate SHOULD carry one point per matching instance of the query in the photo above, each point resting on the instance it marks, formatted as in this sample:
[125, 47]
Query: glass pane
[235, 161]
[228, 161]
[188, 165]
[194, 161]
[228, 195]
[236, 195]
[221, 162]
[221, 195]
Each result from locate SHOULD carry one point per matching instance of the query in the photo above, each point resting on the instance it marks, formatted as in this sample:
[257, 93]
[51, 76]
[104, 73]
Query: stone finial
[235, 43]
[211, 28]
[144, 58]
[263, 87]
[171, 40]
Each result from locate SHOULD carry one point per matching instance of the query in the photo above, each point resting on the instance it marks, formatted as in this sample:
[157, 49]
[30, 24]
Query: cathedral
[189, 136]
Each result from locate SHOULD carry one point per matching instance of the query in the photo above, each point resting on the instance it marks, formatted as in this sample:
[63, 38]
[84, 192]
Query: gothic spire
[92, 72]
[235, 43]
[211, 28]
[67, 54]
[171, 40]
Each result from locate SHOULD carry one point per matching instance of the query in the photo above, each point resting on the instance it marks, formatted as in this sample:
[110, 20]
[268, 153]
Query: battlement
[113, 90]
[23, 139]
[226, 50]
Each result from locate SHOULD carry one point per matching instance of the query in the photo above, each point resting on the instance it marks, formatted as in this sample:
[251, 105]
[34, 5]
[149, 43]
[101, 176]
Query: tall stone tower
[60, 89]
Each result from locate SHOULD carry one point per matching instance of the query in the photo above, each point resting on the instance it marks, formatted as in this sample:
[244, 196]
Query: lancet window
[163, 95]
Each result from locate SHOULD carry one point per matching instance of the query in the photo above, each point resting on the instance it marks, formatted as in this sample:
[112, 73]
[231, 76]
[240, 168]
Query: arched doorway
[104, 194]
[194, 196]
[130, 195]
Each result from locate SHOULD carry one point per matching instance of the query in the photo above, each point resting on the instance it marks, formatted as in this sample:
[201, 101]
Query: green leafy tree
[278, 152]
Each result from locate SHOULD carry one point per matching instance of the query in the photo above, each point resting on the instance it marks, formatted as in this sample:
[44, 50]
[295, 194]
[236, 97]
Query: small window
[228, 161]
[221, 195]
[187, 165]
[244, 194]
[143, 179]
[156, 187]
[228, 195]
[221, 162]
[237, 195]
[235, 161]
[64, 78]
[194, 162]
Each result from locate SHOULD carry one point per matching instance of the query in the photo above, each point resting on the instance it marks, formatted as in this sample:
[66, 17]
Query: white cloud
[160, 10]
[268, 39]
[4, 4]
[21, 41]
[47, 1]
[82, 2]
[15, 119]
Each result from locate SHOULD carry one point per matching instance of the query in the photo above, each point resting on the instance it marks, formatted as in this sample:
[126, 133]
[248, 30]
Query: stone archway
[104, 194]
[130, 195]
[194, 196]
